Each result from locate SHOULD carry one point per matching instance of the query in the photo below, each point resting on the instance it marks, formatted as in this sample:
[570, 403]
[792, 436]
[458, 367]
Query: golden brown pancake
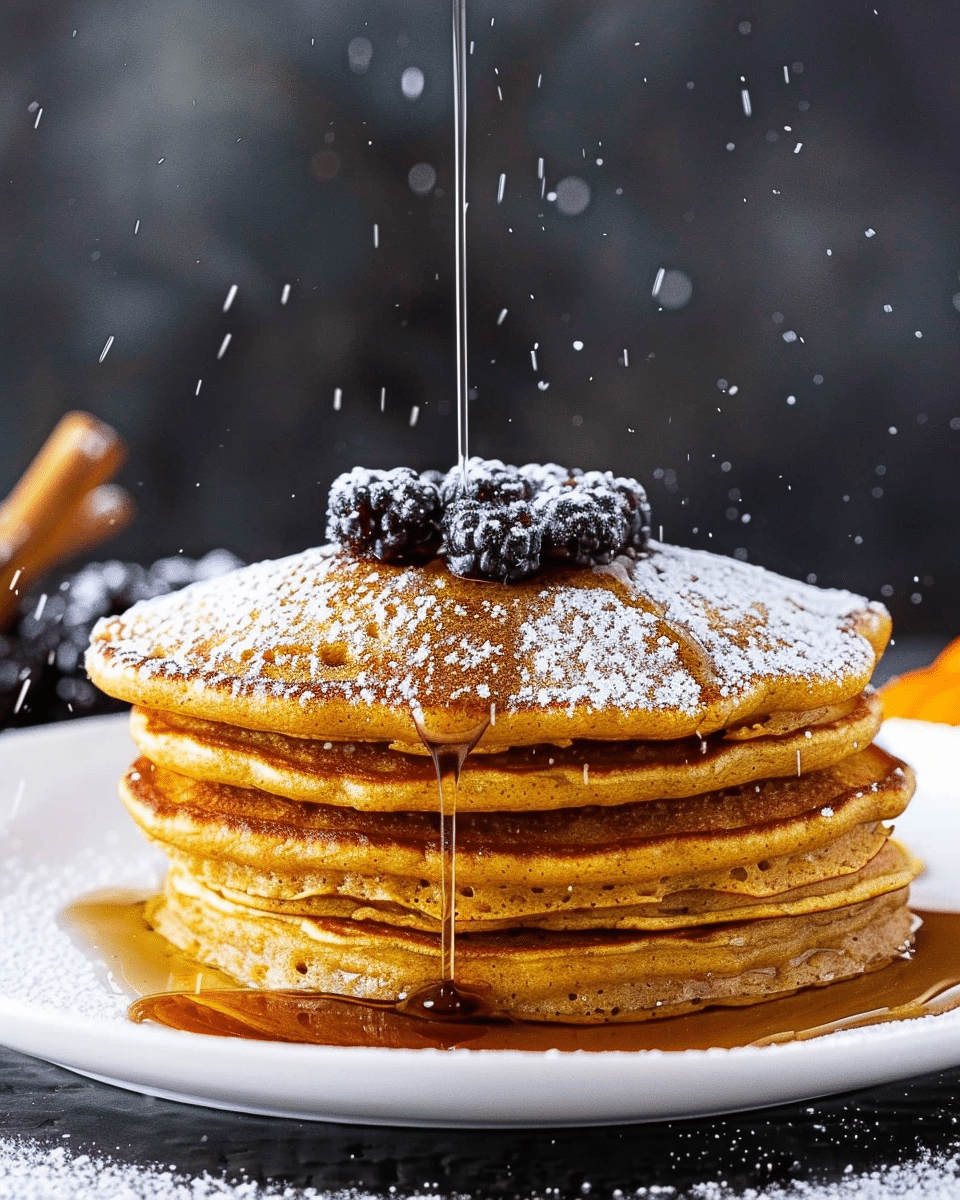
[328, 646]
[513, 864]
[589, 976]
[369, 776]
[890, 869]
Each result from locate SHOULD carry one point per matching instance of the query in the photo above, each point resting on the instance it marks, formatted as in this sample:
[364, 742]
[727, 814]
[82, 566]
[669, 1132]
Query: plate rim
[595, 1088]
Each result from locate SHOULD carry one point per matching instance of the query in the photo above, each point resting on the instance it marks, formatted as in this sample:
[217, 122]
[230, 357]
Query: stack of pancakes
[676, 802]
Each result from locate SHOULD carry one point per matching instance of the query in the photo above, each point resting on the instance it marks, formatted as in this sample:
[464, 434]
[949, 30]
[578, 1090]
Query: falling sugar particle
[586, 774]
[790, 336]
[376, 237]
[542, 386]
[227, 337]
[786, 73]
[285, 294]
[502, 317]
[745, 100]
[731, 145]
[160, 160]
[231, 296]
[869, 233]
[23, 692]
[533, 359]
[337, 399]
[658, 282]
[501, 187]
[414, 415]
[197, 392]
[539, 168]
[16, 576]
[383, 399]
[136, 228]
[17, 798]
[33, 106]
[39, 115]
[888, 308]
[626, 358]
[797, 147]
[918, 334]
[578, 345]
[41, 605]
[106, 347]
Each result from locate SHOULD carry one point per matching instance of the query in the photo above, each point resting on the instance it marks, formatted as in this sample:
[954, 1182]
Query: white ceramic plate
[63, 834]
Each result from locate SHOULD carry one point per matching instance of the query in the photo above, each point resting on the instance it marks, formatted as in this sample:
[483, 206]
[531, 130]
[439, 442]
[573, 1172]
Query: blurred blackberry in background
[41, 657]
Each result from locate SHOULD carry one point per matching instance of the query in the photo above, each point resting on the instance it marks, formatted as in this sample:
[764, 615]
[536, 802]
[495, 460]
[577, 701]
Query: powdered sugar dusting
[672, 631]
[40, 964]
[752, 622]
[32, 1172]
[589, 648]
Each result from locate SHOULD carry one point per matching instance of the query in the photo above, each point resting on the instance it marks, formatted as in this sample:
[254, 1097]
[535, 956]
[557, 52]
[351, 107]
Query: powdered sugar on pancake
[666, 633]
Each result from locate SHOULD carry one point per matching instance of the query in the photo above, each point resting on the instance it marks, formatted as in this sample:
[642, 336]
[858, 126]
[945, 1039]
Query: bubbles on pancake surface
[501, 523]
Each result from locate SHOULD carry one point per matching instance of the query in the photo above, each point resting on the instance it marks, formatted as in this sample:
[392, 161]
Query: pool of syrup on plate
[175, 990]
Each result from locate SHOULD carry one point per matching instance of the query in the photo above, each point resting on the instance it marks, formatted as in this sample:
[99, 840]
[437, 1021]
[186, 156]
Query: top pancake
[323, 644]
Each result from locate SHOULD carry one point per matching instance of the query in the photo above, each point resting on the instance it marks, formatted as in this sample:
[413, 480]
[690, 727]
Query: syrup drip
[444, 999]
[203, 1001]
[460, 225]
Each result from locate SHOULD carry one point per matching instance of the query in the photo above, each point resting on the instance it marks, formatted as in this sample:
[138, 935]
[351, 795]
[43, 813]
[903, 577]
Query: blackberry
[387, 515]
[584, 526]
[544, 476]
[489, 481]
[633, 502]
[492, 541]
[48, 643]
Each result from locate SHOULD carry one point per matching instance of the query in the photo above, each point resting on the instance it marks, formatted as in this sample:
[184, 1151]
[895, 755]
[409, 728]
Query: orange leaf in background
[928, 694]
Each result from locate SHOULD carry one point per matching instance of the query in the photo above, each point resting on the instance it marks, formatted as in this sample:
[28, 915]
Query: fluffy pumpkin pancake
[502, 859]
[540, 974]
[326, 645]
[890, 869]
[369, 776]
[512, 903]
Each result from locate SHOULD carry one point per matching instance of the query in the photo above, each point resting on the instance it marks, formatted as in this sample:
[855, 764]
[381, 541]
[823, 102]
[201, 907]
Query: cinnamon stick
[60, 506]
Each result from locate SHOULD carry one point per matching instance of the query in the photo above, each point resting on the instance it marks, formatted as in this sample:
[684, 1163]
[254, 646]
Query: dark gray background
[253, 153]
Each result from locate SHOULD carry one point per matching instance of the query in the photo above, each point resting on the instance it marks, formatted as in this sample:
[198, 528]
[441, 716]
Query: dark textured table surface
[817, 1141]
